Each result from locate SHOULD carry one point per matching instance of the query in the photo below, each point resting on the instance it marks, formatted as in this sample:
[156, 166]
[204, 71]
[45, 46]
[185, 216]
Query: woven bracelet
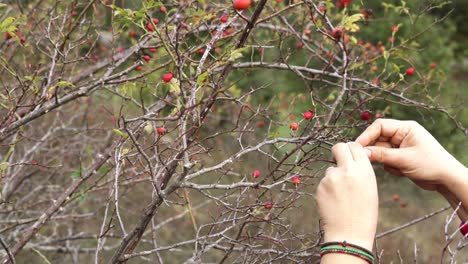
[347, 248]
[346, 244]
[347, 251]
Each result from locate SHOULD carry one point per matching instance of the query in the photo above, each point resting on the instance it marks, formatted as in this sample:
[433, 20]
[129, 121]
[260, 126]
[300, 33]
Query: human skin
[407, 149]
[348, 201]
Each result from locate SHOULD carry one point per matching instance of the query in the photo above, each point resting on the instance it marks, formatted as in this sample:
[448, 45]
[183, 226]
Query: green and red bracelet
[347, 248]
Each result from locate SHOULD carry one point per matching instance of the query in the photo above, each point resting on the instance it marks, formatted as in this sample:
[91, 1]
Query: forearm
[455, 190]
[454, 202]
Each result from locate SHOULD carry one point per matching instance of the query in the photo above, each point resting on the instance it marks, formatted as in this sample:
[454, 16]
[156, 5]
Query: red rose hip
[161, 131]
[296, 180]
[464, 228]
[268, 205]
[337, 33]
[294, 126]
[410, 71]
[366, 115]
[242, 4]
[256, 173]
[224, 18]
[168, 77]
[308, 115]
[150, 27]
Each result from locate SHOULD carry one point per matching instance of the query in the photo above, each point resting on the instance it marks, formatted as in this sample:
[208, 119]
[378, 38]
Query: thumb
[389, 156]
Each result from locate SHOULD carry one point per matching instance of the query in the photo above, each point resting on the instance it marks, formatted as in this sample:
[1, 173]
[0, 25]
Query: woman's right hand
[408, 149]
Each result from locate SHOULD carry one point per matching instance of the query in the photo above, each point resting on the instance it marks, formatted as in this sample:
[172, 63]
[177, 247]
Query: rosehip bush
[150, 121]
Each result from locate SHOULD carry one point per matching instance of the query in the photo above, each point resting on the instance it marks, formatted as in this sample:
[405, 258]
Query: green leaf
[174, 87]
[104, 169]
[3, 166]
[355, 65]
[127, 88]
[120, 133]
[415, 44]
[331, 97]
[89, 150]
[201, 78]
[395, 67]
[236, 92]
[82, 196]
[273, 134]
[76, 174]
[386, 54]
[65, 84]
[237, 54]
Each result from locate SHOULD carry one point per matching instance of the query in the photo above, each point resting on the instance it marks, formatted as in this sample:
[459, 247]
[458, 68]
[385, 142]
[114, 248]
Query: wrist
[454, 190]
[364, 241]
[453, 178]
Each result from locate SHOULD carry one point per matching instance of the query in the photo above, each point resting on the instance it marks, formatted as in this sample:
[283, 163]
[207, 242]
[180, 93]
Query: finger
[342, 154]
[383, 139]
[357, 151]
[388, 156]
[378, 144]
[325, 183]
[386, 128]
[329, 170]
[400, 134]
[393, 171]
[383, 144]
[328, 173]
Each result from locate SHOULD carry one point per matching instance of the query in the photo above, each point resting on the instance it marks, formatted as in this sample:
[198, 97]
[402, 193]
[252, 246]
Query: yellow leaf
[120, 133]
[65, 84]
[349, 22]
[148, 128]
[237, 54]
[3, 166]
[174, 87]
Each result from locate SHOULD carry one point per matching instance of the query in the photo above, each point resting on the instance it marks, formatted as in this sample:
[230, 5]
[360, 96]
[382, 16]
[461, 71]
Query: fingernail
[368, 152]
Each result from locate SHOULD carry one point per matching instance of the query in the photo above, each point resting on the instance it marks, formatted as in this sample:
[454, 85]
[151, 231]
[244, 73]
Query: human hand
[408, 149]
[347, 197]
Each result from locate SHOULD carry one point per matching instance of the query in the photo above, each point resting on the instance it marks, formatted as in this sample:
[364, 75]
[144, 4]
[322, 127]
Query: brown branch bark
[31, 231]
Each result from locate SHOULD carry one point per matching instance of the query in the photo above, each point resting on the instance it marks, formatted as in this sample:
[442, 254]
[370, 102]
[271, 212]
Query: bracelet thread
[347, 248]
